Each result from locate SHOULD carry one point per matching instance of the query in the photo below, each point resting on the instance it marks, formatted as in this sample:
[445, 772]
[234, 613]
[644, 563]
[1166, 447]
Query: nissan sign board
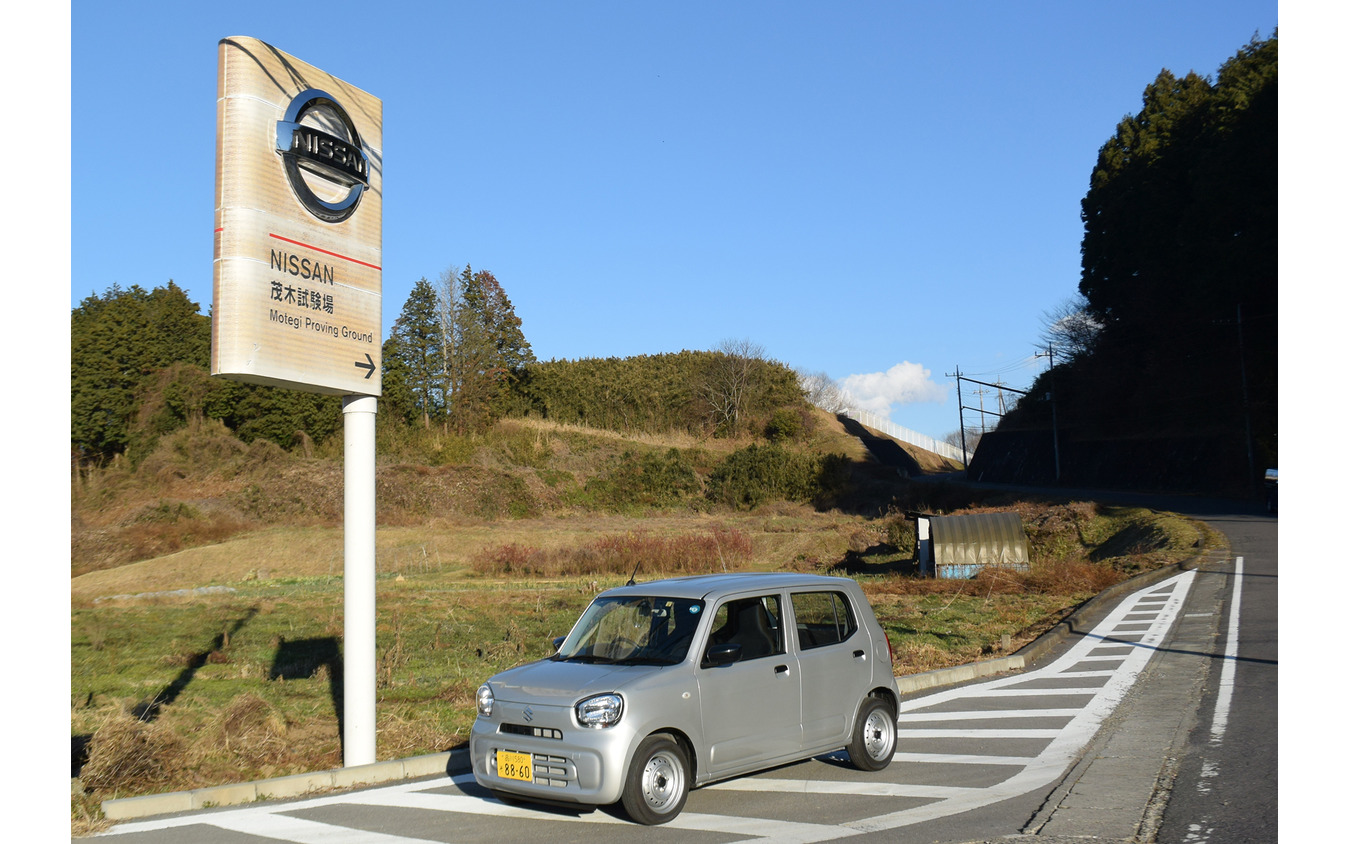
[299, 198]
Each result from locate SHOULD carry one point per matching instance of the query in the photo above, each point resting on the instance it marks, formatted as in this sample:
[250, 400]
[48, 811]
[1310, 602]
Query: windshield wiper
[586, 658]
[647, 660]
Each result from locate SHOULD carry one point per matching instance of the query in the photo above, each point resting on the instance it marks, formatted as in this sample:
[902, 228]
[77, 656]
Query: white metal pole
[358, 586]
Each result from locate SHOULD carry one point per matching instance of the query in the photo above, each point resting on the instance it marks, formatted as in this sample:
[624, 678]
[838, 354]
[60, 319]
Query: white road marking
[874, 789]
[1088, 690]
[962, 759]
[1002, 714]
[1230, 652]
[979, 733]
[284, 828]
[1222, 703]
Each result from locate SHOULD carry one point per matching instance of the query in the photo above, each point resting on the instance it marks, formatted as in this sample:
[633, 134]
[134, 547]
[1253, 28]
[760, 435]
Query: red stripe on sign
[324, 251]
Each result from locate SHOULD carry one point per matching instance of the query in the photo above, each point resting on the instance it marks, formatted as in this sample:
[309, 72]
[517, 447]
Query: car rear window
[823, 618]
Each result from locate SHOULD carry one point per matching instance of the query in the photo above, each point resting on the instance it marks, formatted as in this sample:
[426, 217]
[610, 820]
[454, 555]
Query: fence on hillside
[898, 432]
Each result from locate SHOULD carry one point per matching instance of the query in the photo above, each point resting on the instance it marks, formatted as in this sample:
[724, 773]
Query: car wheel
[657, 782]
[873, 742]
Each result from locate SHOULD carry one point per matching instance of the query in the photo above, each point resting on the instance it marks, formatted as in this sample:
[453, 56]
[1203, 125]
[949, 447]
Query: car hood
[549, 681]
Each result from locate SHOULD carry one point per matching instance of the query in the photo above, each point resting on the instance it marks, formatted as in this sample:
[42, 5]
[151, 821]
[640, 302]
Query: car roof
[714, 585]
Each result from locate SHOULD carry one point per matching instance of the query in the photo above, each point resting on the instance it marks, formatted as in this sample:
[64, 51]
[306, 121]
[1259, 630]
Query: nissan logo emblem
[316, 155]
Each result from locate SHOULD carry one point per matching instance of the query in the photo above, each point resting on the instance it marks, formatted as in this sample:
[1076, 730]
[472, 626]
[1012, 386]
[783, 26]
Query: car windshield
[633, 630]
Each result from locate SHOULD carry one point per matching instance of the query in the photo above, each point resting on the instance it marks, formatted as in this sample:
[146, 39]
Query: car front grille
[526, 730]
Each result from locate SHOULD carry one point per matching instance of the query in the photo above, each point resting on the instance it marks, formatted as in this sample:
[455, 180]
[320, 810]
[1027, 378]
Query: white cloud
[904, 383]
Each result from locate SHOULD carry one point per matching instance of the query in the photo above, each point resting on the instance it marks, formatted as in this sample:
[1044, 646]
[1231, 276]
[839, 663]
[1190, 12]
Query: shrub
[760, 473]
[901, 536]
[784, 424]
[648, 480]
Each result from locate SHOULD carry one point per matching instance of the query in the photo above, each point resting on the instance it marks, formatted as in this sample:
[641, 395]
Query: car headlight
[600, 711]
[485, 700]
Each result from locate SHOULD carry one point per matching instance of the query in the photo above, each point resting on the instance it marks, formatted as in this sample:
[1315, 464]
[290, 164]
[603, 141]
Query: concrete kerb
[457, 761]
[297, 785]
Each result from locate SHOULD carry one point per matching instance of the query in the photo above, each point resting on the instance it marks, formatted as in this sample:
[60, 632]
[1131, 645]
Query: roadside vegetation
[206, 592]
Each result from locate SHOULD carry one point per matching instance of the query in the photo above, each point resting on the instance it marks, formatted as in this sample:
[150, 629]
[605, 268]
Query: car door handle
[859, 654]
[781, 669]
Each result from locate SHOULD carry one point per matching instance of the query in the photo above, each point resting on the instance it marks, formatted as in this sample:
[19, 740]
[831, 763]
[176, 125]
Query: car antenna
[632, 578]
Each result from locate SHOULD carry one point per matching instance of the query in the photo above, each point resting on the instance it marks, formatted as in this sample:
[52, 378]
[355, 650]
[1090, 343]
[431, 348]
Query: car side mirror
[557, 643]
[724, 654]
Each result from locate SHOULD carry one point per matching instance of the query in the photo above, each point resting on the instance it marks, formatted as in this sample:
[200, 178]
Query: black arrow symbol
[369, 366]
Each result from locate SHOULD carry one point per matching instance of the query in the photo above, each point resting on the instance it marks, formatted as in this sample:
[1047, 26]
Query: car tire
[657, 782]
[873, 742]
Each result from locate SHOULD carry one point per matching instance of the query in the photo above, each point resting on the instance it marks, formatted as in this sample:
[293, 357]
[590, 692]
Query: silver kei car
[673, 684]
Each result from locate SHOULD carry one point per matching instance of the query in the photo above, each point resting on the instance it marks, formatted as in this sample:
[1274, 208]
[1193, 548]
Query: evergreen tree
[396, 399]
[416, 353]
[484, 347]
[492, 308]
[1179, 278]
[118, 342]
[493, 350]
[1180, 243]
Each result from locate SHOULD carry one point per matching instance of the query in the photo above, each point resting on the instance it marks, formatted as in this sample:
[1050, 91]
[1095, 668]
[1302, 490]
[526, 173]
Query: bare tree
[973, 436]
[1069, 328]
[449, 302]
[731, 381]
[823, 391]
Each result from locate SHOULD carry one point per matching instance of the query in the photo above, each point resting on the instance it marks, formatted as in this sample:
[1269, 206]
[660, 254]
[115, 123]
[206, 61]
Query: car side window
[753, 623]
[823, 618]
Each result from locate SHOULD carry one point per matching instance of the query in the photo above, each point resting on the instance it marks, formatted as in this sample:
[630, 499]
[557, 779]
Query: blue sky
[881, 192]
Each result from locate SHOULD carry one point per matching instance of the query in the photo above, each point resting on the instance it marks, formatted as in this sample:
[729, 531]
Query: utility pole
[981, 394]
[961, 418]
[1054, 412]
[961, 405]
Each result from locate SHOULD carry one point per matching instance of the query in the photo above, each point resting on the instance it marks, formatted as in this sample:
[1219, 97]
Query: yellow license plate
[515, 766]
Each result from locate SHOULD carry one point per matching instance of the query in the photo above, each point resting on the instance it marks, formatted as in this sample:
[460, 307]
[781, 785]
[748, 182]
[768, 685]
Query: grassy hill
[201, 485]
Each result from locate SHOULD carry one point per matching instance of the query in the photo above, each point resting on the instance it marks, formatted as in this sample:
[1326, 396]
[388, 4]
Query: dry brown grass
[720, 549]
[253, 731]
[127, 750]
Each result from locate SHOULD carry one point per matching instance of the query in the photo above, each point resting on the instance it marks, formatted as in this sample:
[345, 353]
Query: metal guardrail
[904, 434]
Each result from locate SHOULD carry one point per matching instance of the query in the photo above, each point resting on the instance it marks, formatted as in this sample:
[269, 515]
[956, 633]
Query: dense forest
[1165, 366]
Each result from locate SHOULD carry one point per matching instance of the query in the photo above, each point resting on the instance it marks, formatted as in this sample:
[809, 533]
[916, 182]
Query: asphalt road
[1220, 783]
[1226, 789]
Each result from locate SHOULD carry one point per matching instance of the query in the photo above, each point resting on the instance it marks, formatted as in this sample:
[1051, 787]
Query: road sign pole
[358, 639]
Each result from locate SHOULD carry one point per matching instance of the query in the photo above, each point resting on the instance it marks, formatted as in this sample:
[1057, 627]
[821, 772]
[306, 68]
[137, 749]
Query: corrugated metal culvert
[960, 546]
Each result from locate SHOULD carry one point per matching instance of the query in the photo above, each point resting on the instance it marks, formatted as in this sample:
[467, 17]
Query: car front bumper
[571, 763]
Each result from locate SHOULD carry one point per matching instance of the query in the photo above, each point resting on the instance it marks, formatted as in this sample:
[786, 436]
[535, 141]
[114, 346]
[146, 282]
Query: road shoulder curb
[296, 785]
